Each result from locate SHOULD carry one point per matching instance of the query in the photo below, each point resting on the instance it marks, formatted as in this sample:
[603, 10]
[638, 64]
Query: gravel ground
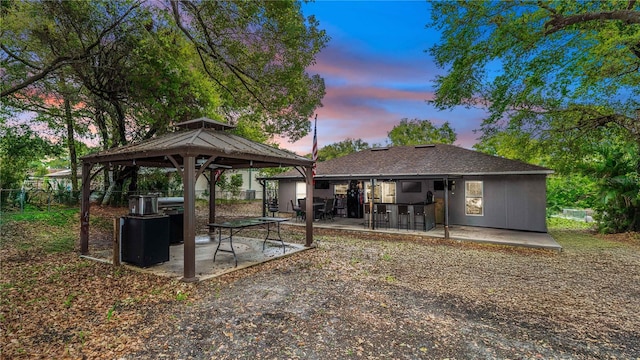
[392, 298]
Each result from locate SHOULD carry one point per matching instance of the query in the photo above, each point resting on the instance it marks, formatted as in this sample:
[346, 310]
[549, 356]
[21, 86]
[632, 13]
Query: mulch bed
[360, 296]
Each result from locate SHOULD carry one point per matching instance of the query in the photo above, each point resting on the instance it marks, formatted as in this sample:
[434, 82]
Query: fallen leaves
[356, 296]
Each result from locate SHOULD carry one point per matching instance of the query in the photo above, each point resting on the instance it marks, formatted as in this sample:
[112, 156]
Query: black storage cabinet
[145, 240]
[176, 226]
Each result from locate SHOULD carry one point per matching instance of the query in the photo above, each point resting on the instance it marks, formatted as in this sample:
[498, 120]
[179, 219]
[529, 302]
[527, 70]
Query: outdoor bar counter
[413, 221]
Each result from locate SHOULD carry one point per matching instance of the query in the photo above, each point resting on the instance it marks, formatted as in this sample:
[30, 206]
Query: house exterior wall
[286, 193]
[515, 202]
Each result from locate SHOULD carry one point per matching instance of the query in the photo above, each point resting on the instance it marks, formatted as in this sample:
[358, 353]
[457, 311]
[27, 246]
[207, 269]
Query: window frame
[468, 197]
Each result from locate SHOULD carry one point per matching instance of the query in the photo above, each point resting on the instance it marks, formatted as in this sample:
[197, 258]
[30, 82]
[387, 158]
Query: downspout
[446, 208]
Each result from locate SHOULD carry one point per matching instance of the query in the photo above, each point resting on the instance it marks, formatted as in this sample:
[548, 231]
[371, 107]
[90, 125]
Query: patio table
[236, 226]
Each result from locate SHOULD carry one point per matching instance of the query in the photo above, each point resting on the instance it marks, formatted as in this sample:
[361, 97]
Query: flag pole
[315, 148]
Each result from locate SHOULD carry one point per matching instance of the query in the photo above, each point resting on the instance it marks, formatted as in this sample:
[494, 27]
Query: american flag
[315, 148]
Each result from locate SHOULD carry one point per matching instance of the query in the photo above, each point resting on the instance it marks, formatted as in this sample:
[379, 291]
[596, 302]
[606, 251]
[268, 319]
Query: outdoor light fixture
[201, 161]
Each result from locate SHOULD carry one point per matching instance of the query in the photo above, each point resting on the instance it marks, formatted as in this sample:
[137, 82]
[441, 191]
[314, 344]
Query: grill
[174, 208]
[171, 204]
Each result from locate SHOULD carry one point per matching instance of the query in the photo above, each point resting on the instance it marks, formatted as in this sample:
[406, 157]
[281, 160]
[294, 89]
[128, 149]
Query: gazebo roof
[207, 140]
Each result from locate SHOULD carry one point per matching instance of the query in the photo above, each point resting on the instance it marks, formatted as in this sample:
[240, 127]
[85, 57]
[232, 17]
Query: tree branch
[66, 60]
[16, 57]
[560, 22]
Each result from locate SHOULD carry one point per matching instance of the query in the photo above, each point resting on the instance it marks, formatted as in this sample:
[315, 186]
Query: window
[340, 189]
[385, 192]
[473, 196]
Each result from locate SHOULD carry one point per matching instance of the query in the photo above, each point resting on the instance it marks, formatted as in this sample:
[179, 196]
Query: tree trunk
[112, 184]
[71, 143]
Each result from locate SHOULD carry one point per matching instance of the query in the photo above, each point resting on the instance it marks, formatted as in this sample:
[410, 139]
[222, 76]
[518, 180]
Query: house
[458, 186]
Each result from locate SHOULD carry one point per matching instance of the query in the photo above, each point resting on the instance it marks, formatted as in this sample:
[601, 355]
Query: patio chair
[419, 217]
[272, 207]
[403, 214]
[341, 207]
[302, 204]
[297, 210]
[367, 215]
[327, 212]
[381, 216]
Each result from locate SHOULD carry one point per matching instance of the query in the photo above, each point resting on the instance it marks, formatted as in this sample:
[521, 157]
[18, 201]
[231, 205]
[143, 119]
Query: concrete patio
[249, 250]
[460, 233]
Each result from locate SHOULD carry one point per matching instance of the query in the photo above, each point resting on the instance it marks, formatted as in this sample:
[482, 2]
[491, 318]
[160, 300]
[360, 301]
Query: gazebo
[195, 147]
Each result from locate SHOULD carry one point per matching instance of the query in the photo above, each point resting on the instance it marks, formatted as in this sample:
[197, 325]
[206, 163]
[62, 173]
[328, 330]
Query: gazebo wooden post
[212, 196]
[84, 208]
[189, 182]
[264, 198]
[309, 206]
[372, 204]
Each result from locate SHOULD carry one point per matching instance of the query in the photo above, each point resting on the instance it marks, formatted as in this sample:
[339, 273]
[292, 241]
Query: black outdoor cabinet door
[354, 210]
[145, 240]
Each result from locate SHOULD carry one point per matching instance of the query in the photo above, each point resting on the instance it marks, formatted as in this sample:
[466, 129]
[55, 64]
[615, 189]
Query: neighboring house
[250, 189]
[482, 190]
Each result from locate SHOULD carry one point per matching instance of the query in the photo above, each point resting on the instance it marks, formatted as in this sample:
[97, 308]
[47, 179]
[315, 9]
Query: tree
[417, 132]
[19, 146]
[257, 53]
[560, 73]
[341, 148]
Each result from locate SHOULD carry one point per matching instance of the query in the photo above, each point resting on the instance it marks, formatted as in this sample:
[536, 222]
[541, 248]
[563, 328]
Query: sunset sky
[377, 71]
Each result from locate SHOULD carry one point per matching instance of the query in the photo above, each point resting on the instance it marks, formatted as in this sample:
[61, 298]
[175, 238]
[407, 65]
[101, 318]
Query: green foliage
[341, 148]
[617, 171]
[261, 68]
[419, 132]
[512, 144]
[158, 180]
[231, 184]
[19, 147]
[560, 83]
[571, 191]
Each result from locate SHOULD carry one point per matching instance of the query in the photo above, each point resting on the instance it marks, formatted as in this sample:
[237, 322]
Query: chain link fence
[21, 200]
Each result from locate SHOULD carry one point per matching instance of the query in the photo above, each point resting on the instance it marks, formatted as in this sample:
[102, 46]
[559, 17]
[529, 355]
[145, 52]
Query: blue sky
[377, 71]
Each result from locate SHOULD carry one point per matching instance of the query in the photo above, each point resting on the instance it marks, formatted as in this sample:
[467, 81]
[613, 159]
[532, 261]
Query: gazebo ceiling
[205, 141]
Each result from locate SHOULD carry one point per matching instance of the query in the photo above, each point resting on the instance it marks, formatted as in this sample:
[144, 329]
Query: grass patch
[578, 235]
[556, 223]
[53, 218]
[49, 232]
[581, 240]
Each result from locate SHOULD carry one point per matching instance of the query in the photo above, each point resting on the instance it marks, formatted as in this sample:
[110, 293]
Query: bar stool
[418, 217]
[367, 215]
[381, 216]
[403, 213]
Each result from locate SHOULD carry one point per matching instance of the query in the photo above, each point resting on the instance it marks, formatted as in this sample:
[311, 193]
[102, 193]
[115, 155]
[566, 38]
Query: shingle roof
[423, 160]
